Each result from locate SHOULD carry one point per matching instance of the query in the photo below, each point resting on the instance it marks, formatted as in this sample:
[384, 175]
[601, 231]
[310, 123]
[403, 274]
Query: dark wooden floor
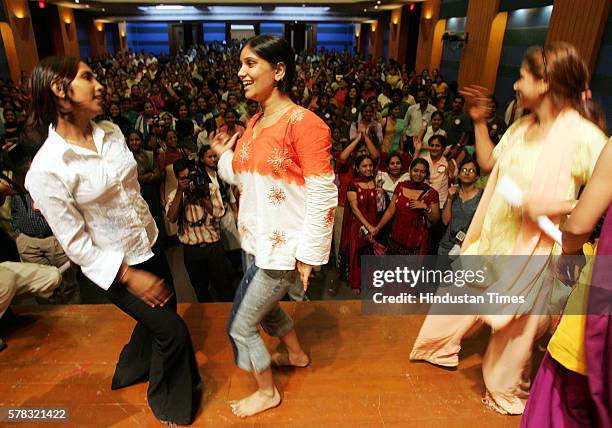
[360, 374]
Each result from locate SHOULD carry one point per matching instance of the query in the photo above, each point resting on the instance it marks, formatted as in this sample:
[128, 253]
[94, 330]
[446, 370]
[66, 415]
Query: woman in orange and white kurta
[288, 199]
[549, 154]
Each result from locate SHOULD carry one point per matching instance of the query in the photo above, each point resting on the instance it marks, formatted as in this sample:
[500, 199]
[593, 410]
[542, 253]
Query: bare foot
[280, 359]
[255, 403]
[356, 292]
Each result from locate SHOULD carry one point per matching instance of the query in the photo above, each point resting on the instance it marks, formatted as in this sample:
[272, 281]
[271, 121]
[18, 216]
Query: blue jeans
[256, 302]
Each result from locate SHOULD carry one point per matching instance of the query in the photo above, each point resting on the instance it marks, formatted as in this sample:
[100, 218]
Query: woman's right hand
[453, 191]
[222, 142]
[477, 102]
[146, 286]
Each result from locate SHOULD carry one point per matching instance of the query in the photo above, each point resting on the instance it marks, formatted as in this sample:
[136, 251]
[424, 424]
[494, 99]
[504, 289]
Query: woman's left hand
[532, 209]
[305, 271]
[418, 205]
[223, 142]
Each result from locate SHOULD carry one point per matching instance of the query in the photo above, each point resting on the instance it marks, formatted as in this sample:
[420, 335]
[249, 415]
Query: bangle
[428, 210]
[125, 269]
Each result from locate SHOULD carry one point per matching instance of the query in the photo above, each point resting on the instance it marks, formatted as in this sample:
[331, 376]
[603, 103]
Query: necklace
[276, 111]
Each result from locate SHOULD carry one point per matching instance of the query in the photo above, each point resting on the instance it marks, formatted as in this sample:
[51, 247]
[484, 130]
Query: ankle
[268, 392]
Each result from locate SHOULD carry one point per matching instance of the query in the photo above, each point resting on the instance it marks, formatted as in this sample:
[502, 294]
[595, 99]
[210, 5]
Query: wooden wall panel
[68, 33]
[437, 45]
[584, 29]
[430, 39]
[97, 38]
[10, 51]
[481, 14]
[398, 28]
[496, 39]
[17, 15]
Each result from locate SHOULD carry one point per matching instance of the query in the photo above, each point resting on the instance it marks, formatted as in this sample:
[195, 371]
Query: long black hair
[276, 50]
[45, 108]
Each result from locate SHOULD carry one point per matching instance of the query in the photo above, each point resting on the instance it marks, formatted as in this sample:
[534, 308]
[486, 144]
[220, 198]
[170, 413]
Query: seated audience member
[37, 244]
[21, 278]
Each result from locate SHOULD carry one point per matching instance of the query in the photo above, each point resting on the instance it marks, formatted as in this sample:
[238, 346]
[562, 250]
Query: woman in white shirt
[84, 180]
[388, 179]
[434, 129]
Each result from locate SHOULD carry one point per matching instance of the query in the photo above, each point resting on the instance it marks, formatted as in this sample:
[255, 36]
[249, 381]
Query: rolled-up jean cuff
[257, 302]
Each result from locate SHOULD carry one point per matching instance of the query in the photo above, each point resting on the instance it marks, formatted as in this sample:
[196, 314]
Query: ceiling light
[169, 7]
[375, 6]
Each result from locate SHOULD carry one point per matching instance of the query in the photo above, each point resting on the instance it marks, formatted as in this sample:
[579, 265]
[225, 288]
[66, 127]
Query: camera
[198, 178]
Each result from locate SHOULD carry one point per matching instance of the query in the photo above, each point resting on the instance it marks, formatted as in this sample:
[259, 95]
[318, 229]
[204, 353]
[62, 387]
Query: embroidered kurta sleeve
[312, 143]
[53, 199]
[225, 168]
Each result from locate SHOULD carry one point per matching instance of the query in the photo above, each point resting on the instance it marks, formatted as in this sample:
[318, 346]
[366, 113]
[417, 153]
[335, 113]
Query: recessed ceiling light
[375, 6]
[365, 10]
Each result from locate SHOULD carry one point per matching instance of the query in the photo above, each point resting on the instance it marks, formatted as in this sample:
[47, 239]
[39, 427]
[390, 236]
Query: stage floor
[360, 375]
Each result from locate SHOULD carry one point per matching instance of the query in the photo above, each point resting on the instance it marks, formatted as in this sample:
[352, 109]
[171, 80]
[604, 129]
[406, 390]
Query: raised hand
[223, 142]
[418, 144]
[478, 102]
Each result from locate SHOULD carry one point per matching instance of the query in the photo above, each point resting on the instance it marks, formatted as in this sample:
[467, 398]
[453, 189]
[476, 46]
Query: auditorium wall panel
[453, 8]
[110, 39]
[524, 28]
[336, 36]
[150, 36]
[272, 28]
[602, 76]
[82, 24]
[451, 52]
[213, 31]
[4, 50]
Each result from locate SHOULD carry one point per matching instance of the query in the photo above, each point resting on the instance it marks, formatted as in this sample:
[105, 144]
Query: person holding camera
[197, 206]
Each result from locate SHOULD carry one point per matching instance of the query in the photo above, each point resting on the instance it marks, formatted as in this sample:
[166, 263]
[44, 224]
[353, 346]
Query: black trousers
[160, 351]
[208, 265]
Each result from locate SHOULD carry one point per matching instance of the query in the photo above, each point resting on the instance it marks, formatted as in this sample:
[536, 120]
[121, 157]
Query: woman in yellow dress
[549, 154]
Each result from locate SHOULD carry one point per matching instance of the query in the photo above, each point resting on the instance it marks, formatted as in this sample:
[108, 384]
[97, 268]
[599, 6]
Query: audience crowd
[402, 150]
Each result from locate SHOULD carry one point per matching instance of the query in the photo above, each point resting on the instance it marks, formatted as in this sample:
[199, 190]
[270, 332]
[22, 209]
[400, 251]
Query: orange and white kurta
[288, 197]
